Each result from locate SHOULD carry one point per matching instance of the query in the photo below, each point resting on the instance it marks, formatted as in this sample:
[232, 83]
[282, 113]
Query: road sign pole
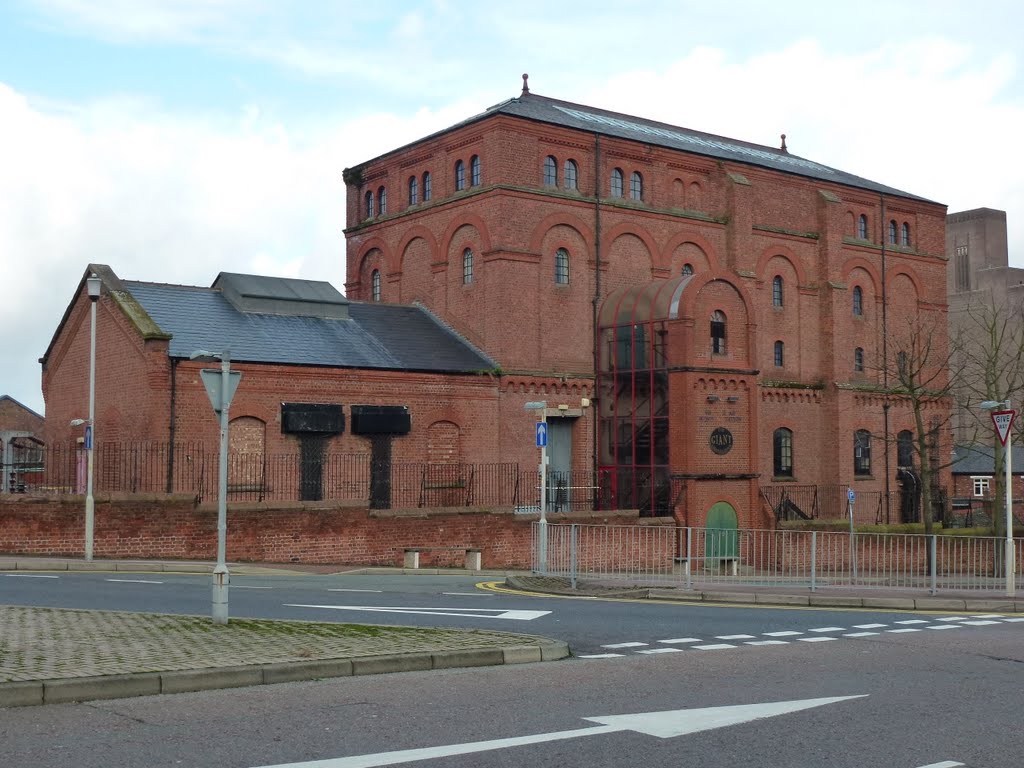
[544, 495]
[853, 539]
[1003, 422]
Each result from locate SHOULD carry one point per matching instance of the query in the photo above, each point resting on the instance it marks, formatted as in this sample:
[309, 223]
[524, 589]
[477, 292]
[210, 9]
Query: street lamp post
[93, 284]
[542, 443]
[1003, 407]
[220, 386]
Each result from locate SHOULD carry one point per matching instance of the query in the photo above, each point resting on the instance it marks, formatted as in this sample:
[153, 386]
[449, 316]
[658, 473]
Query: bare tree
[989, 350]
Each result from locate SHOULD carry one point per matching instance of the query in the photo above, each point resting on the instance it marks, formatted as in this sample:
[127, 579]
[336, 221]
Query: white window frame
[981, 485]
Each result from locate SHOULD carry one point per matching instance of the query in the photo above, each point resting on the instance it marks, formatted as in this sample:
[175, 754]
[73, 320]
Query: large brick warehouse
[704, 318]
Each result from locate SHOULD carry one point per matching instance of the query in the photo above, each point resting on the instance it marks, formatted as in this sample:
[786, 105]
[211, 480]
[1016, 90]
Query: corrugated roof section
[379, 336]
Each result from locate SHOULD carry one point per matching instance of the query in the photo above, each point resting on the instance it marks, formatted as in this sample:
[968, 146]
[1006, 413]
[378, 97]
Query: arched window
[636, 186]
[369, 205]
[414, 191]
[861, 453]
[858, 301]
[460, 175]
[467, 266]
[777, 291]
[858, 360]
[550, 171]
[901, 366]
[905, 235]
[426, 186]
[382, 201]
[780, 351]
[892, 231]
[862, 227]
[782, 452]
[687, 269]
[571, 175]
[375, 285]
[718, 332]
[474, 170]
[617, 182]
[905, 448]
[562, 266]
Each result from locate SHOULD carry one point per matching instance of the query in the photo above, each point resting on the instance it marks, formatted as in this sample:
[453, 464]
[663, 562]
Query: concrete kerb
[36, 692]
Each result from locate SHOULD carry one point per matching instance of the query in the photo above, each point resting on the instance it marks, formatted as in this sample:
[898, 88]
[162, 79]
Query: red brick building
[20, 444]
[732, 311]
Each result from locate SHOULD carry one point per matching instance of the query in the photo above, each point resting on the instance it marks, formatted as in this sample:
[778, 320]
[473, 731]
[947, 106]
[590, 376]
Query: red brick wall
[17, 418]
[174, 528]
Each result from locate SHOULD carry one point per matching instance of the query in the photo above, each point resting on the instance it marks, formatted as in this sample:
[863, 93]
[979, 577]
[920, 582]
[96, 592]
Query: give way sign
[1003, 421]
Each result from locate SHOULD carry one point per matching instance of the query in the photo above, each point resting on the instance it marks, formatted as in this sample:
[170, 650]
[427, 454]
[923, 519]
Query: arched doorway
[721, 538]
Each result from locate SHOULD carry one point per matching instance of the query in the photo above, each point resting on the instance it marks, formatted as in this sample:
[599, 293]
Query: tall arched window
[858, 360]
[858, 301]
[905, 448]
[892, 231]
[905, 235]
[636, 186]
[617, 186]
[782, 452]
[414, 191]
[861, 453]
[375, 285]
[460, 175]
[369, 205]
[426, 186]
[474, 170]
[571, 174]
[467, 266]
[777, 291]
[562, 266]
[862, 227]
[718, 332]
[780, 352]
[550, 171]
[382, 201]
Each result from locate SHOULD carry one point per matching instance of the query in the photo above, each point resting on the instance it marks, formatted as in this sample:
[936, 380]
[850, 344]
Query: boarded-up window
[246, 443]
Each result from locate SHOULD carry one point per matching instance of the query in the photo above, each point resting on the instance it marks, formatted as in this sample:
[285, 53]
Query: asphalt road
[925, 699]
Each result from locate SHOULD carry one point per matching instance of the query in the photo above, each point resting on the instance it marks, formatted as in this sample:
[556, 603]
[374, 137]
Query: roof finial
[783, 147]
[526, 84]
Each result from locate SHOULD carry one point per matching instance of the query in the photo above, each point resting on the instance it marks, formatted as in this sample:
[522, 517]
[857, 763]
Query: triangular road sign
[212, 378]
[1003, 421]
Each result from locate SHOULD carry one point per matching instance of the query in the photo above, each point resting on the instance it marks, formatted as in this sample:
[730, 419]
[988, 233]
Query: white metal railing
[686, 557]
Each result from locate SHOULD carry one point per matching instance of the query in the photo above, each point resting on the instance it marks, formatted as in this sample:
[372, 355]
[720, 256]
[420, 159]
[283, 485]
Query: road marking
[681, 640]
[135, 581]
[875, 626]
[713, 647]
[734, 637]
[952, 618]
[988, 616]
[466, 594]
[661, 650]
[767, 642]
[1013, 619]
[601, 656]
[944, 626]
[981, 623]
[475, 613]
[625, 645]
[828, 629]
[904, 629]
[662, 725]
[913, 621]
[815, 639]
[342, 589]
[859, 634]
[29, 576]
[944, 764]
[788, 633]
[246, 586]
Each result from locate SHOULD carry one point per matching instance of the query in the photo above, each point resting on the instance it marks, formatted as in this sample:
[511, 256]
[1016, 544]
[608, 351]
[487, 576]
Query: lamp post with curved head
[1002, 407]
[220, 386]
[93, 284]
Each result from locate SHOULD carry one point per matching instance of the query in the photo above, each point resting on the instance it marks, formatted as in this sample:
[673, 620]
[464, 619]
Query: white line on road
[988, 616]
[815, 639]
[462, 613]
[29, 576]
[135, 581]
[913, 621]
[982, 623]
[944, 764]
[828, 629]
[788, 633]
[874, 626]
[650, 651]
[734, 637]
[624, 645]
[712, 647]
[905, 629]
[952, 618]
[601, 656]
[767, 642]
[859, 634]
[944, 626]
[681, 640]
[1013, 619]
[466, 594]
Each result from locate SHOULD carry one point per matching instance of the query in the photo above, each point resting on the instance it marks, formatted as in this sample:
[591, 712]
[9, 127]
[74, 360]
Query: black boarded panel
[381, 420]
[318, 418]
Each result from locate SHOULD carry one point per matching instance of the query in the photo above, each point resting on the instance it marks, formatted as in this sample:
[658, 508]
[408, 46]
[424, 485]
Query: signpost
[541, 432]
[1003, 422]
[850, 496]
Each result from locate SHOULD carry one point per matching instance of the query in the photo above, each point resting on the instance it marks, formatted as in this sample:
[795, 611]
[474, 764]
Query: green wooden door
[721, 536]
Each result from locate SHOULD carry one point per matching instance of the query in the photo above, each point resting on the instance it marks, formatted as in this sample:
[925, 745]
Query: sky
[175, 139]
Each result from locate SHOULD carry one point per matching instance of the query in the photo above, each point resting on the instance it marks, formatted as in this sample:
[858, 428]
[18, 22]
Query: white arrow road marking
[135, 581]
[663, 725]
[476, 613]
[943, 764]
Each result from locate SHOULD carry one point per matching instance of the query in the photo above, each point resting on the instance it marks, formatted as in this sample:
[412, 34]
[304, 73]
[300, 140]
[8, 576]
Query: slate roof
[978, 460]
[542, 109]
[380, 336]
